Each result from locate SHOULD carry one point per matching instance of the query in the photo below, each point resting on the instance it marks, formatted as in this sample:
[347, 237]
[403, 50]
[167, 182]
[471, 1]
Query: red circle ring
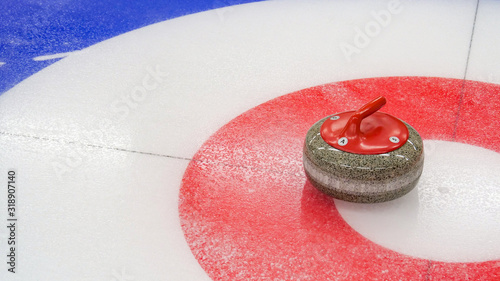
[248, 212]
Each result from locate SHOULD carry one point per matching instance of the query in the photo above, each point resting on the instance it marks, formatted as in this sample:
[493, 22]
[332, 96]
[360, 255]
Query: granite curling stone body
[363, 156]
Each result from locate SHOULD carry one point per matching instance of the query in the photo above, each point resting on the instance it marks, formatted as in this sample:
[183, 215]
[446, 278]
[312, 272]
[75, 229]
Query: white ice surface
[109, 210]
[220, 66]
[113, 216]
[484, 62]
[452, 215]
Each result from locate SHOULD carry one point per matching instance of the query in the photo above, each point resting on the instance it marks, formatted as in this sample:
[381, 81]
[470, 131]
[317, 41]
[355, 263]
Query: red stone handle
[381, 133]
[352, 128]
[371, 107]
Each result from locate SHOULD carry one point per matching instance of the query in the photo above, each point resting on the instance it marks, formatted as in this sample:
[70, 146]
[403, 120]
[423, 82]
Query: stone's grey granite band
[362, 191]
[363, 178]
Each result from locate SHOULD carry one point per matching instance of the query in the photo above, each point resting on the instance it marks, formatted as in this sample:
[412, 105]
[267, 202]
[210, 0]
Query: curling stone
[363, 156]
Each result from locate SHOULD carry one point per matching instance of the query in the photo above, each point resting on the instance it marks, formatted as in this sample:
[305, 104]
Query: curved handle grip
[352, 128]
[371, 107]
